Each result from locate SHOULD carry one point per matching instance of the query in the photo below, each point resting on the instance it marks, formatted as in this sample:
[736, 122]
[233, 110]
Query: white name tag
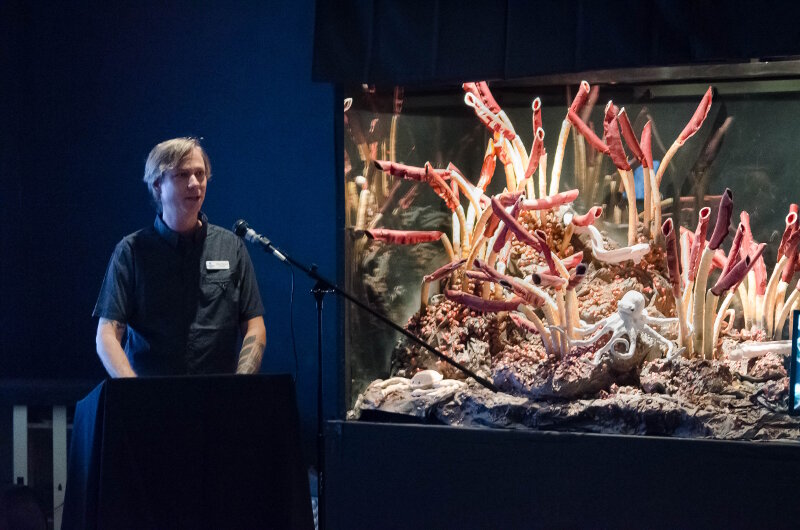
[218, 265]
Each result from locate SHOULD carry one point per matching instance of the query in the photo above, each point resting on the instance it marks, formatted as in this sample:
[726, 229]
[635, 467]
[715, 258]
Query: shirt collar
[173, 238]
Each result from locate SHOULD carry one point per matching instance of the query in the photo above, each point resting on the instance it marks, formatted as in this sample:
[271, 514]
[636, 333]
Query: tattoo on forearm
[250, 356]
[119, 328]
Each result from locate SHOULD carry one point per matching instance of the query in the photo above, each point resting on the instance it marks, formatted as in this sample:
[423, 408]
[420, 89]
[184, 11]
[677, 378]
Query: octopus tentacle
[613, 325]
[611, 344]
[633, 334]
[583, 331]
[653, 333]
[660, 321]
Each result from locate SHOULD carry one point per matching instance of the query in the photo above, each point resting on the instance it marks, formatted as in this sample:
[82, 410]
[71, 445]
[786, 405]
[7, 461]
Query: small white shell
[426, 379]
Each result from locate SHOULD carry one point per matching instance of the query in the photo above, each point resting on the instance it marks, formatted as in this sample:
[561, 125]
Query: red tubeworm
[699, 242]
[588, 218]
[630, 137]
[673, 261]
[444, 271]
[580, 97]
[571, 262]
[791, 252]
[646, 143]
[791, 221]
[697, 119]
[586, 132]
[615, 149]
[536, 106]
[551, 201]
[548, 280]
[504, 234]
[479, 304]
[733, 254]
[722, 226]
[522, 234]
[403, 237]
[523, 323]
[536, 152]
[576, 276]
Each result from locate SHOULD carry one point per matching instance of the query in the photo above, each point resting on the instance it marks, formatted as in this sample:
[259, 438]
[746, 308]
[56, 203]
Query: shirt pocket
[218, 298]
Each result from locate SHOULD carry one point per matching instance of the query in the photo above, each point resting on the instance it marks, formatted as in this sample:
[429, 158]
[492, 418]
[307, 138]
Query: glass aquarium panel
[609, 257]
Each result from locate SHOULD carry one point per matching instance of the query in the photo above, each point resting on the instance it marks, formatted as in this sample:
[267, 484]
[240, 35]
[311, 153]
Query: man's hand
[109, 348]
[255, 339]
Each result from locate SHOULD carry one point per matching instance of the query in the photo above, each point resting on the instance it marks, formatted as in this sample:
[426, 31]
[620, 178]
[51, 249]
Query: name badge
[218, 265]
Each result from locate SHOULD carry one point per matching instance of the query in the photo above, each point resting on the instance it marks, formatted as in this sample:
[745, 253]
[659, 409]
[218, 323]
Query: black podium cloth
[188, 452]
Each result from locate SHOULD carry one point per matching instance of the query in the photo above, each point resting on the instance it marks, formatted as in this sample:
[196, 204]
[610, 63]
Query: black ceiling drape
[413, 42]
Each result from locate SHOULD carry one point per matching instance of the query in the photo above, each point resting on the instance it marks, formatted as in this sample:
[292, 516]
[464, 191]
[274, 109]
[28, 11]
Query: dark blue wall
[87, 90]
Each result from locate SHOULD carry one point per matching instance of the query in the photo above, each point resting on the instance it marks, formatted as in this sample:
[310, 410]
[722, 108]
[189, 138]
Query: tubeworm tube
[544, 249]
[630, 137]
[486, 96]
[524, 323]
[723, 220]
[488, 166]
[646, 144]
[478, 275]
[479, 304]
[548, 280]
[536, 152]
[747, 239]
[587, 133]
[747, 350]
[536, 107]
[508, 198]
[522, 234]
[699, 242]
[580, 97]
[615, 149]
[791, 221]
[444, 271]
[401, 170]
[403, 237]
[571, 262]
[733, 277]
[503, 235]
[577, 276]
[697, 119]
[551, 201]
[515, 284]
[673, 264]
[489, 118]
[791, 256]
[734, 255]
[588, 218]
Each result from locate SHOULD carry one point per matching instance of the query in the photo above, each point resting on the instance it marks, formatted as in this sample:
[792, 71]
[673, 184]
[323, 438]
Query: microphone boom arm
[312, 273]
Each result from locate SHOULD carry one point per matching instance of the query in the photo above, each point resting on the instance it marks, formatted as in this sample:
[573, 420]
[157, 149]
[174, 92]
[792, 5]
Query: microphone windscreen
[240, 227]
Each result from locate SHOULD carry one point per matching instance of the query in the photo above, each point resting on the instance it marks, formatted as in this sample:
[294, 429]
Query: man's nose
[193, 182]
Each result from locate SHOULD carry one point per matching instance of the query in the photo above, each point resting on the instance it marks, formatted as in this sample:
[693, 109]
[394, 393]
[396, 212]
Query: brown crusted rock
[768, 367]
[685, 377]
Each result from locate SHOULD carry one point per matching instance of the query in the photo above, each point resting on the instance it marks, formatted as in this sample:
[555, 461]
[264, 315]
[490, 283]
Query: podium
[188, 452]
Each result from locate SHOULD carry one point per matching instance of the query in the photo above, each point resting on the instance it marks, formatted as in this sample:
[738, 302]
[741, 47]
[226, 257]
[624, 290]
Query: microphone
[243, 230]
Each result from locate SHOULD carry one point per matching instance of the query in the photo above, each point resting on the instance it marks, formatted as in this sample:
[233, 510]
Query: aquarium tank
[611, 252]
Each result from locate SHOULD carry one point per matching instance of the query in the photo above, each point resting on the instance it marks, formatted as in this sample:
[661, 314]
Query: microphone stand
[320, 289]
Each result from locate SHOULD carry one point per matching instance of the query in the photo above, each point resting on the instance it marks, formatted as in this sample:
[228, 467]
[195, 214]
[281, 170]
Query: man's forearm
[250, 355]
[109, 348]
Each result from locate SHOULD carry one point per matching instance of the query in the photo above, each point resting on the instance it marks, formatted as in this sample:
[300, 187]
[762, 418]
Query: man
[177, 294]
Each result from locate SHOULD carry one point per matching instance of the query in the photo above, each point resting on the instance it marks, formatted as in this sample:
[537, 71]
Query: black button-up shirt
[183, 298]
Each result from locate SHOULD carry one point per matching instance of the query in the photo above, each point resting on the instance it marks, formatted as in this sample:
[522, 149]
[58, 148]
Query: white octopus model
[630, 320]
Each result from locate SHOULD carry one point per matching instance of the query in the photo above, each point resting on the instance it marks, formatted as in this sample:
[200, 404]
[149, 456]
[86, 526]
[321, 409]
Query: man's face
[183, 189]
